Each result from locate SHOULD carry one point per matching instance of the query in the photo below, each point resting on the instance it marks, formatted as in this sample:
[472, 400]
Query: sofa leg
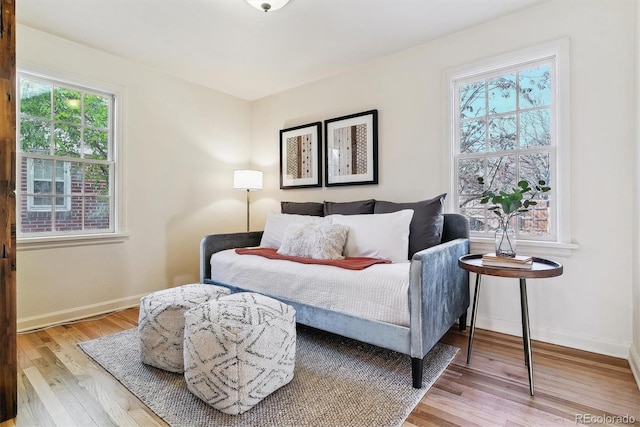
[416, 371]
[462, 322]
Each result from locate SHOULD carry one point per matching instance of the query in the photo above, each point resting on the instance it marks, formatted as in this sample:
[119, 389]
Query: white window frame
[560, 243]
[116, 233]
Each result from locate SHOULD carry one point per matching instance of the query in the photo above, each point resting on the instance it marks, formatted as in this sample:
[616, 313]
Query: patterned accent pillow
[316, 241]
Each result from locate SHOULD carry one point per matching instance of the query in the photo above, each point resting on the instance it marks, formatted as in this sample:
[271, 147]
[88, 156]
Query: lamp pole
[247, 209]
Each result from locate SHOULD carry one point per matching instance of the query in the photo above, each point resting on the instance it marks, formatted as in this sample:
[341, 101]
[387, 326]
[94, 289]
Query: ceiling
[230, 46]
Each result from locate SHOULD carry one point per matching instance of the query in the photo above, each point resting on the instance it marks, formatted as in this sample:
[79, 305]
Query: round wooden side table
[540, 268]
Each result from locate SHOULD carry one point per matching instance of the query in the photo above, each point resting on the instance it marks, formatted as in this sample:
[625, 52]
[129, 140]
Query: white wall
[180, 144]
[590, 306]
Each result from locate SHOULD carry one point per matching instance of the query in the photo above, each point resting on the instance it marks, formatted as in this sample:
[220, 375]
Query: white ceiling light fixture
[267, 5]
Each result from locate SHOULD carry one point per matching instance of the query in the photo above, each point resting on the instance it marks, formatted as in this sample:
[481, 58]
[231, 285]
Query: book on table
[519, 261]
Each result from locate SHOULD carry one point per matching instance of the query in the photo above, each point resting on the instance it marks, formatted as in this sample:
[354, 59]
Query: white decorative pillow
[317, 241]
[384, 236]
[277, 223]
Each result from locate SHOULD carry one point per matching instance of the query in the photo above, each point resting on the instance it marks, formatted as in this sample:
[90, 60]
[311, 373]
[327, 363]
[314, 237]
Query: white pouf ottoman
[238, 350]
[161, 323]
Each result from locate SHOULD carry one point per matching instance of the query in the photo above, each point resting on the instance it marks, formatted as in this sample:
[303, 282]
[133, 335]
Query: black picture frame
[351, 149]
[301, 156]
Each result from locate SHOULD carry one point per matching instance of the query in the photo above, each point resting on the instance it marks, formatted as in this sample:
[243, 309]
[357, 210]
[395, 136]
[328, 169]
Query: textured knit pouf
[161, 323]
[238, 350]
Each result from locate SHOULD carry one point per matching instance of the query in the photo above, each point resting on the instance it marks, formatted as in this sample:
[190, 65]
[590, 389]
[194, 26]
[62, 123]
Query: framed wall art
[351, 149]
[301, 156]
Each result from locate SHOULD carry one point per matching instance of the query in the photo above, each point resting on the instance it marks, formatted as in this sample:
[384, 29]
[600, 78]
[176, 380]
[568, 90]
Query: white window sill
[526, 247]
[49, 242]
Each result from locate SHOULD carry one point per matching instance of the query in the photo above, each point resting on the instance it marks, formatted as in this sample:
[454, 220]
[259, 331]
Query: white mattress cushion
[379, 292]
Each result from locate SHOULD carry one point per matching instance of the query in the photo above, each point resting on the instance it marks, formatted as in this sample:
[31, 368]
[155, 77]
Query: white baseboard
[559, 337]
[634, 362]
[64, 316]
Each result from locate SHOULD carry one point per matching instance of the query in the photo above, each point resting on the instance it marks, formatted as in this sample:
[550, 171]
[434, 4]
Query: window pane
[471, 207]
[502, 133]
[97, 213]
[42, 169]
[62, 185]
[67, 105]
[35, 221]
[67, 140]
[468, 172]
[76, 173]
[472, 100]
[96, 179]
[69, 219]
[96, 111]
[501, 173]
[502, 94]
[42, 187]
[472, 136]
[35, 99]
[96, 144]
[535, 87]
[35, 136]
[535, 128]
[535, 167]
[42, 201]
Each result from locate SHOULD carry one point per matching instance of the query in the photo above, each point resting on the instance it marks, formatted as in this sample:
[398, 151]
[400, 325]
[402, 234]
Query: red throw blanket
[350, 263]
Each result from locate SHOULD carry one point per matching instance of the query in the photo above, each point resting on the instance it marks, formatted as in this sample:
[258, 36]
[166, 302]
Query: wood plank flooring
[58, 385]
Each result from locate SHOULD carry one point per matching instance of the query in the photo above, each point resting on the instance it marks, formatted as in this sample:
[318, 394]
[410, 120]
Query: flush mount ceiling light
[267, 5]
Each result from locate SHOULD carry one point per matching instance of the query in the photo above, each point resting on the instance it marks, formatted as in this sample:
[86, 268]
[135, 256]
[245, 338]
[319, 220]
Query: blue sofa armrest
[438, 293]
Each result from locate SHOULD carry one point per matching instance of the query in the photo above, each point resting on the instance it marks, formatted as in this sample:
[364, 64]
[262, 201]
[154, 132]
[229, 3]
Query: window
[65, 158]
[39, 181]
[505, 128]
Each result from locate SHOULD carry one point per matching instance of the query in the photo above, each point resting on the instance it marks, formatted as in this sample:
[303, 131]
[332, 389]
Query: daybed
[436, 290]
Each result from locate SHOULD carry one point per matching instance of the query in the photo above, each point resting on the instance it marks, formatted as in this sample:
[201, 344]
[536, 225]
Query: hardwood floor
[58, 385]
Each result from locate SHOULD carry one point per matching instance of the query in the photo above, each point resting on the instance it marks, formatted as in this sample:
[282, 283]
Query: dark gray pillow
[302, 208]
[426, 225]
[349, 208]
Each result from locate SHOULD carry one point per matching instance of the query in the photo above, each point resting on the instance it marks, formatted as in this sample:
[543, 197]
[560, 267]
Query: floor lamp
[249, 180]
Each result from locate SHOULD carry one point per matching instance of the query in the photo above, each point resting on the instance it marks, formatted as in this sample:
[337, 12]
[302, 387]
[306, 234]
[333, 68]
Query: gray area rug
[337, 382]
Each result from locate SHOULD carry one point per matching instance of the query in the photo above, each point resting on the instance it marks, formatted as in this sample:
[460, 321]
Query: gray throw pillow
[302, 208]
[349, 208]
[425, 229]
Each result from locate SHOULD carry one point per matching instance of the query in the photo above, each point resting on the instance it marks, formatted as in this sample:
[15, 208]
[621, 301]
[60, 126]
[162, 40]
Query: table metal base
[526, 337]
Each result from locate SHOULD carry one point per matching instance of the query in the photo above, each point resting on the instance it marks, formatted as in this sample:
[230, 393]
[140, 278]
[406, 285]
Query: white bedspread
[379, 292]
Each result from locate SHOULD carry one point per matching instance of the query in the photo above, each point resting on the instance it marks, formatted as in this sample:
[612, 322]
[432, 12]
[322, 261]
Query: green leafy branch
[507, 205]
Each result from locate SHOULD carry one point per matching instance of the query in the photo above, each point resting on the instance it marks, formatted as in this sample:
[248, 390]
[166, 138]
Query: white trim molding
[26, 324]
[634, 363]
[556, 336]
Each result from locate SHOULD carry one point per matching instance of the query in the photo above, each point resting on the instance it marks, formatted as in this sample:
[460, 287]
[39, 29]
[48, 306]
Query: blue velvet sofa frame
[438, 295]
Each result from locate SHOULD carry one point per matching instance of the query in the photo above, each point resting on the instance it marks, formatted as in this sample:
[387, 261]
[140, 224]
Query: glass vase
[505, 241]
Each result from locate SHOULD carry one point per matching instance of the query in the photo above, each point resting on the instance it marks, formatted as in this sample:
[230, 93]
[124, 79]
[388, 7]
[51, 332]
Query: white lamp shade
[247, 180]
[273, 4]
